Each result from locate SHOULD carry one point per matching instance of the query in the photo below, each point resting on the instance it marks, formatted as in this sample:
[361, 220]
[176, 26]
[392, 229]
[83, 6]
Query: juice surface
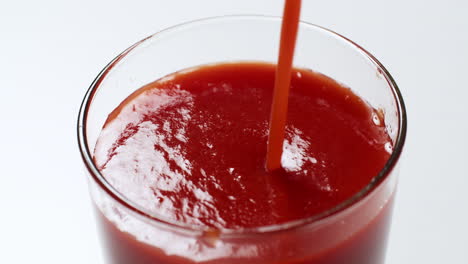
[191, 147]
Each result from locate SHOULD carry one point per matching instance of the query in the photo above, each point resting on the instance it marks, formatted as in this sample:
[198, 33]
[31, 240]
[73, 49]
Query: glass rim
[157, 219]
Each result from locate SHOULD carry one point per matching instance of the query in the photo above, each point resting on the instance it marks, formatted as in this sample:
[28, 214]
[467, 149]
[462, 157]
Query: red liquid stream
[291, 15]
[191, 149]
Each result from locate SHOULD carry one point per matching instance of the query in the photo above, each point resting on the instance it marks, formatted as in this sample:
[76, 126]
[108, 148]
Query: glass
[353, 232]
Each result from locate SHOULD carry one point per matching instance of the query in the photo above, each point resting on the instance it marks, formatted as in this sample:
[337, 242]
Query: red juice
[190, 148]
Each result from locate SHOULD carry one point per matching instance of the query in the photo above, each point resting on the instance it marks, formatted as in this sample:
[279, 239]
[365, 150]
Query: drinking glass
[353, 232]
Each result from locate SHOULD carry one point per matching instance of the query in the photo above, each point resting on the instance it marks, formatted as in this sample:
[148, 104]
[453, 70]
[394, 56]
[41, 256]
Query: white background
[50, 51]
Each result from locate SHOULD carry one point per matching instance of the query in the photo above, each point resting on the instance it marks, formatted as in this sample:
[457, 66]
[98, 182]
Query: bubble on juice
[389, 147]
[202, 171]
[376, 119]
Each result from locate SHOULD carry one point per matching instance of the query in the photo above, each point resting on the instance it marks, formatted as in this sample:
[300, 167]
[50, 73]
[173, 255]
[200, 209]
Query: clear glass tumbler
[354, 232]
